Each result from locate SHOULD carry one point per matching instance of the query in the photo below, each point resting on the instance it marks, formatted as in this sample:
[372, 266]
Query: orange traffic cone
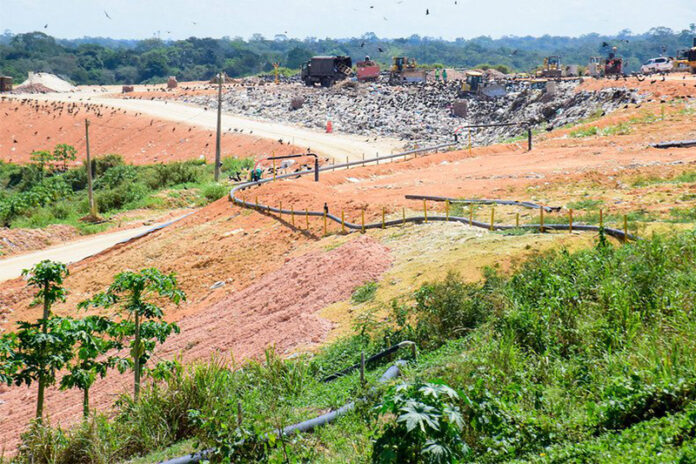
[329, 127]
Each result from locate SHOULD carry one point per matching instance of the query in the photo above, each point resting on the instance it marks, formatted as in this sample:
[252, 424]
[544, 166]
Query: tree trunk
[85, 403]
[42, 380]
[136, 358]
[40, 398]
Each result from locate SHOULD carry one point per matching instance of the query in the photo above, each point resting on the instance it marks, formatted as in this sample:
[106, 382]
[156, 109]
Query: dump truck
[326, 70]
[367, 70]
[551, 68]
[405, 70]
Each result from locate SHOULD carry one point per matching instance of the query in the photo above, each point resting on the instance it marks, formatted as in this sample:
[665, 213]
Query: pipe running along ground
[391, 373]
[616, 233]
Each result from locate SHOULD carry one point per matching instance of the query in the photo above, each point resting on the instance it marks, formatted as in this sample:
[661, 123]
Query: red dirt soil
[676, 85]
[278, 310]
[29, 125]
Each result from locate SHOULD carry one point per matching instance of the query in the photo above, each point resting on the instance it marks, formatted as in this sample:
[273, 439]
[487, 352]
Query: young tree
[40, 158]
[93, 337]
[133, 292]
[64, 153]
[41, 345]
[8, 365]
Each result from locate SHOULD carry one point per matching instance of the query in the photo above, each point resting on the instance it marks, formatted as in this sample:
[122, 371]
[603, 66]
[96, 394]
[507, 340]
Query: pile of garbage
[41, 82]
[423, 113]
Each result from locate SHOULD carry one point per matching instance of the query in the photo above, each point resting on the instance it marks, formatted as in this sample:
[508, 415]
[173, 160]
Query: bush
[118, 198]
[102, 164]
[423, 426]
[167, 175]
[213, 192]
[115, 177]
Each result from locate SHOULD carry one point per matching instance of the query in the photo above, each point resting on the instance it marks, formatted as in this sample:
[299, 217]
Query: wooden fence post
[570, 221]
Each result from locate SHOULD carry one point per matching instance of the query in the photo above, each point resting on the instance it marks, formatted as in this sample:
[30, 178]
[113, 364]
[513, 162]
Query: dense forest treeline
[111, 61]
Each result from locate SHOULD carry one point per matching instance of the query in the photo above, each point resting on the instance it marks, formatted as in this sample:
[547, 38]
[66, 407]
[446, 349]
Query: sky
[179, 19]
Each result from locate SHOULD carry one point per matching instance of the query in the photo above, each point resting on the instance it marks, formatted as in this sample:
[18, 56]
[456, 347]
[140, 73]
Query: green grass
[364, 293]
[572, 357]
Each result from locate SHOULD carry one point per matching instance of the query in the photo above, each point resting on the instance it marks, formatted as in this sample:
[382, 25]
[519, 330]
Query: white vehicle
[657, 65]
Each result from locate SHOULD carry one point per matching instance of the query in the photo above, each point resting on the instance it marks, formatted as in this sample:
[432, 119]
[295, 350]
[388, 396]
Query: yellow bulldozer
[405, 70]
[551, 68]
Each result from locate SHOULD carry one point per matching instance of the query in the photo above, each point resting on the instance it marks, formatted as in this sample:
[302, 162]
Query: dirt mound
[32, 88]
[29, 125]
[49, 81]
[675, 85]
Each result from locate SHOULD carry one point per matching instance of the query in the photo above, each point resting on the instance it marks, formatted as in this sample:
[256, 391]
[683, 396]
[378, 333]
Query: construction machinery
[551, 68]
[405, 70]
[595, 67]
[326, 70]
[5, 84]
[613, 65]
[691, 57]
[476, 84]
[368, 70]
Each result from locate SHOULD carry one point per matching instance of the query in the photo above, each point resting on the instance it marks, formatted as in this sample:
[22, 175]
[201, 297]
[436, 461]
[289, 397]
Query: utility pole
[219, 129]
[90, 193]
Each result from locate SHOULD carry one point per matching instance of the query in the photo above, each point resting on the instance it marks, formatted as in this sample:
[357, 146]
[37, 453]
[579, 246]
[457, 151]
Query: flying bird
[380, 49]
[604, 44]
[514, 52]
[362, 45]
[427, 12]
[385, 18]
[46, 26]
[107, 14]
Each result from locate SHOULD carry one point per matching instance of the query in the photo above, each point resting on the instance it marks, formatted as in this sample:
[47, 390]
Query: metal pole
[219, 129]
[343, 222]
[570, 223]
[529, 139]
[447, 203]
[425, 211]
[90, 192]
[541, 219]
[292, 215]
[517, 220]
[384, 212]
[307, 217]
[492, 218]
[362, 229]
[316, 169]
[625, 228]
[403, 215]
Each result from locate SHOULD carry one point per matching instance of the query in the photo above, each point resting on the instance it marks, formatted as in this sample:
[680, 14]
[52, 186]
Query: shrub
[116, 176]
[118, 198]
[423, 426]
[102, 164]
[213, 192]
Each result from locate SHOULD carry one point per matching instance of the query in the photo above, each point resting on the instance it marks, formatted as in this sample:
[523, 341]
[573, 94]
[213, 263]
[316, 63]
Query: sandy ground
[337, 146]
[271, 272]
[29, 124]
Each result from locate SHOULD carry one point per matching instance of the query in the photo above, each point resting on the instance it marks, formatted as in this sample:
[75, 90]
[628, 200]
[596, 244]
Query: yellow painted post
[274, 170]
[663, 112]
[384, 212]
[541, 219]
[307, 217]
[257, 202]
[363, 222]
[517, 220]
[447, 209]
[343, 222]
[425, 211]
[324, 222]
[333, 165]
[601, 218]
[346, 161]
[570, 221]
[492, 218]
[403, 215]
[625, 228]
[470, 141]
[363, 159]
[280, 213]
[292, 215]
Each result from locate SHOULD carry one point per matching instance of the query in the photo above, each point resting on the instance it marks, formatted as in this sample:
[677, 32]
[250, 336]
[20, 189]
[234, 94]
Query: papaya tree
[64, 153]
[8, 364]
[40, 158]
[93, 339]
[43, 346]
[133, 294]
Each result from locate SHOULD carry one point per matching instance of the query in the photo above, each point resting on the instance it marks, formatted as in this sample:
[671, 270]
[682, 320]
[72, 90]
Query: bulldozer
[595, 66]
[551, 68]
[472, 84]
[405, 70]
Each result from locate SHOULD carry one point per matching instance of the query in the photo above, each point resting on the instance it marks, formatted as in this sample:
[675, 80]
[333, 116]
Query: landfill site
[275, 262]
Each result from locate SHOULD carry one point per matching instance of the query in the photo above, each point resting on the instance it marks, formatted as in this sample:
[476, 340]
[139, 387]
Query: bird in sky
[362, 45]
[514, 52]
[427, 12]
[46, 26]
[380, 49]
[107, 14]
[604, 44]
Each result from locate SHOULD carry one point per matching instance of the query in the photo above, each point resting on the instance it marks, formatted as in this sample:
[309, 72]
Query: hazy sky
[177, 19]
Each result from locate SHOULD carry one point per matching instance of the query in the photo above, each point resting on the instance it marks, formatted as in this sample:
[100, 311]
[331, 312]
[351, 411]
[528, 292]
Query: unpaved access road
[335, 146]
[71, 252]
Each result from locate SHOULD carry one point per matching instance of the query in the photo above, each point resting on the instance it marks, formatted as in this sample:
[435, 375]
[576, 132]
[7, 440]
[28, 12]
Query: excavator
[405, 69]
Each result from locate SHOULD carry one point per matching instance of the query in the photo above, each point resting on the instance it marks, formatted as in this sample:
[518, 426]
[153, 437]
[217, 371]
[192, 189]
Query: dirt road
[336, 146]
[11, 268]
